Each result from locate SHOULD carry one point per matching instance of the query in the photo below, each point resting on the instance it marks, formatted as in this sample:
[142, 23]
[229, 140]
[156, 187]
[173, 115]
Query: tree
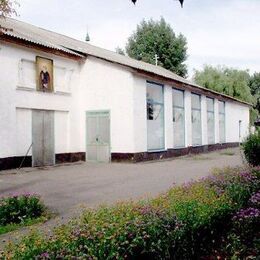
[157, 39]
[254, 84]
[7, 7]
[225, 80]
[229, 81]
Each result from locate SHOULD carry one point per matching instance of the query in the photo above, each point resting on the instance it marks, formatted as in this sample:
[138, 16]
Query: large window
[155, 116]
[196, 119]
[222, 132]
[178, 118]
[210, 120]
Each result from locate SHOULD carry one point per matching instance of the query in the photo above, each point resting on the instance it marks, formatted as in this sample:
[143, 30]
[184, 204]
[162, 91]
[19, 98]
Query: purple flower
[247, 176]
[255, 199]
[20, 194]
[247, 213]
[44, 255]
[148, 210]
[188, 184]
[76, 233]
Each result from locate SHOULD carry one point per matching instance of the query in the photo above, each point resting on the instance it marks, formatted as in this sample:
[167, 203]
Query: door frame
[54, 154]
[91, 112]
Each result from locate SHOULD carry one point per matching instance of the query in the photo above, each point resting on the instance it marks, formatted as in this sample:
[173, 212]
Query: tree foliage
[7, 7]
[254, 84]
[225, 80]
[233, 82]
[158, 38]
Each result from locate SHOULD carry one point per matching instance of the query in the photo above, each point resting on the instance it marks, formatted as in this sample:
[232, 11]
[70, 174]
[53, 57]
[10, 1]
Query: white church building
[63, 100]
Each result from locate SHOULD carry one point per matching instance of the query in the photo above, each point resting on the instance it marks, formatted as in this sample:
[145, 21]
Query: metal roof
[46, 38]
[29, 33]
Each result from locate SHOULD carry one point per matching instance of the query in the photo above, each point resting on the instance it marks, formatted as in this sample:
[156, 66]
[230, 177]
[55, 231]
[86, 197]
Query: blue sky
[219, 32]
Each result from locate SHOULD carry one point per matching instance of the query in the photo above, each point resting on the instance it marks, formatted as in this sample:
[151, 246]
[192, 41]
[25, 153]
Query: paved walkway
[64, 188]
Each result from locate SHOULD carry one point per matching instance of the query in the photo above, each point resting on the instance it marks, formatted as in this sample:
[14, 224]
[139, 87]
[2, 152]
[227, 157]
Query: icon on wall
[44, 70]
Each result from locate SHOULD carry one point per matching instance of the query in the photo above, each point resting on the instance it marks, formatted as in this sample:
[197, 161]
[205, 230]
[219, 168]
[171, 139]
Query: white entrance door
[98, 136]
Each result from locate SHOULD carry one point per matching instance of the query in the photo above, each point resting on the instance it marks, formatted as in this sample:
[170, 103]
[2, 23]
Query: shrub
[241, 239]
[17, 208]
[244, 236]
[251, 148]
[184, 223]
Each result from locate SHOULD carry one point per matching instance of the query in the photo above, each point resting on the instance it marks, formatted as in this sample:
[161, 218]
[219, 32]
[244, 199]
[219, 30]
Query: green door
[98, 136]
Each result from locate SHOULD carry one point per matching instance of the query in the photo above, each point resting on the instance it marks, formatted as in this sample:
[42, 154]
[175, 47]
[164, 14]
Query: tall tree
[156, 41]
[254, 84]
[225, 80]
[233, 82]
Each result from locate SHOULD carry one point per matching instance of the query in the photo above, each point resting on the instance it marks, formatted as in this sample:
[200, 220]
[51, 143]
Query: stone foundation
[170, 153]
[15, 162]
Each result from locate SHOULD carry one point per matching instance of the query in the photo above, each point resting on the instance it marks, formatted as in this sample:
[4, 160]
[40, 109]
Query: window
[210, 121]
[155, 116]
[27, 74]
[196, 119]
[178, 118]
[221, 109]
[62, 79]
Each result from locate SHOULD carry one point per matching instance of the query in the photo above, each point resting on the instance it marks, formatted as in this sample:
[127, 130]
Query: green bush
[251, 148]
[17, 208]
[184, 223]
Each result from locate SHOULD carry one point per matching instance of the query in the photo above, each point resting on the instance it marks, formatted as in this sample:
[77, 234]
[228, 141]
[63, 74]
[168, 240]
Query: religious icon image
[44, 68]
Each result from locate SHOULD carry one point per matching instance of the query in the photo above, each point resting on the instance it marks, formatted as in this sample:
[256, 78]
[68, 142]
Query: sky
[218, 32]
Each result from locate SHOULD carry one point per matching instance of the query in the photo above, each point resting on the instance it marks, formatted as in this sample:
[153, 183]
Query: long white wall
[234, 113]
[91, 84]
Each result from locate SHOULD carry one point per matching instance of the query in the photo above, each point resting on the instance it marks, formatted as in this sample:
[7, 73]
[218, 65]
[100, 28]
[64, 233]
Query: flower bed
[19, 209]
[187, 222]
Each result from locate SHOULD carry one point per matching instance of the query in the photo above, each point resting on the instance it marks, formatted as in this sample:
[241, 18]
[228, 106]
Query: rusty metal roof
[46, 38]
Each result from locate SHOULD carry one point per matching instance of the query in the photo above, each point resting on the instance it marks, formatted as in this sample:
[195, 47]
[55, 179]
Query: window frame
[163, 116]
[184, 112]
[200, 110]
[211, 112]
[224, 114]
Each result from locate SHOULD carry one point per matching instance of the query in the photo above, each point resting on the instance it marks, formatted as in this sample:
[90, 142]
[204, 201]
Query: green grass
[227, 152]
[29, 222]
[197, 157]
